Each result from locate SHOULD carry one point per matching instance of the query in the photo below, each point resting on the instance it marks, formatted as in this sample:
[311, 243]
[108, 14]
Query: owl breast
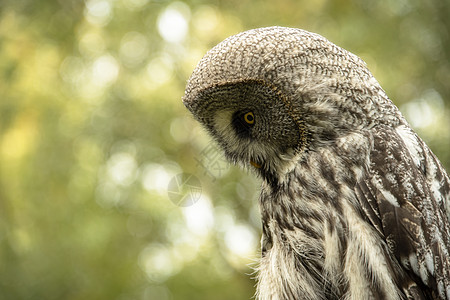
[317, 244]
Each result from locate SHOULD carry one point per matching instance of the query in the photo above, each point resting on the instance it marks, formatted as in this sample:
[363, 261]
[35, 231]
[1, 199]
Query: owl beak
[255, 164]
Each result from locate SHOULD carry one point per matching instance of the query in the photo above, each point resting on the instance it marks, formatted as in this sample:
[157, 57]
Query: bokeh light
[173, 22]
[98, 12]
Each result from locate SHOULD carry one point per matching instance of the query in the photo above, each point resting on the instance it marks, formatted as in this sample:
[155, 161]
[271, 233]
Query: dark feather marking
[369, 205]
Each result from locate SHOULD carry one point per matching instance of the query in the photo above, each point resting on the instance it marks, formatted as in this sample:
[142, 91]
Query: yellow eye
[249, 118]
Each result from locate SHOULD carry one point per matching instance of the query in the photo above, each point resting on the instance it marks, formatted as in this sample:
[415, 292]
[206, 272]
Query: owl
[354, 205]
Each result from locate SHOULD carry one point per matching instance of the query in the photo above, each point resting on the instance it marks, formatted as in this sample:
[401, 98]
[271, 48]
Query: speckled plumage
[354, 205]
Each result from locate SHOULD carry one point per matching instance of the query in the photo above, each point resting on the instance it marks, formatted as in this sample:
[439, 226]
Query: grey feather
[354, 205]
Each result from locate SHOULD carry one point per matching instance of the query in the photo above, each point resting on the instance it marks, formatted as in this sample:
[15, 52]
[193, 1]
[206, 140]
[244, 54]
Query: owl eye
[249, 118]
[243, 122]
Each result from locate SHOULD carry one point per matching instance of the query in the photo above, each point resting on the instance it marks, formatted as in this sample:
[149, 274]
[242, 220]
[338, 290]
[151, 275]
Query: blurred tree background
[92, 130]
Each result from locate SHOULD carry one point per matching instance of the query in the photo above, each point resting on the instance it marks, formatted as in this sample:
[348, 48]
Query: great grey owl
[354, 205]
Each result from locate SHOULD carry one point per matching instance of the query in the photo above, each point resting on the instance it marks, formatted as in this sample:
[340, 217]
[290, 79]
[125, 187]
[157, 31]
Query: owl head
[270, 95]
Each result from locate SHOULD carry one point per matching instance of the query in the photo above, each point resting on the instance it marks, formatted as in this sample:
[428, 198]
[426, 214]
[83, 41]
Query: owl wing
[405, 192]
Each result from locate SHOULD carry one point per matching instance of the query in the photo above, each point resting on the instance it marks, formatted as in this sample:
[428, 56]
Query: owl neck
[312, 193]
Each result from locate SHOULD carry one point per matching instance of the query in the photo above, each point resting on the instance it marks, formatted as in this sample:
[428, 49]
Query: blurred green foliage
[92, 130]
